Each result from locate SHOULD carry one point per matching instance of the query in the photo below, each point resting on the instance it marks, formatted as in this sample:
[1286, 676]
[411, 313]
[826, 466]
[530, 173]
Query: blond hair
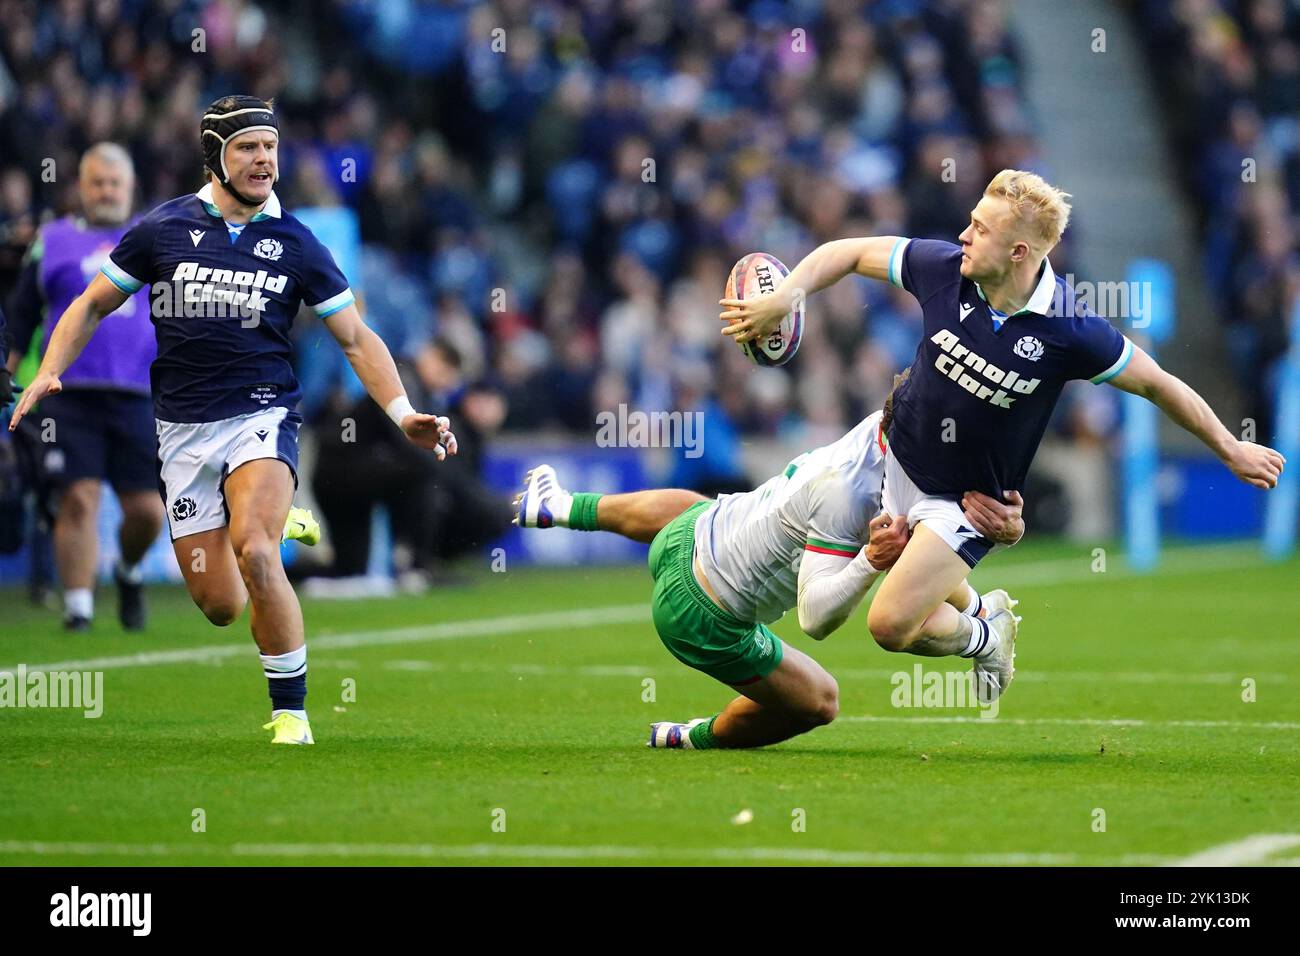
[1035, 203]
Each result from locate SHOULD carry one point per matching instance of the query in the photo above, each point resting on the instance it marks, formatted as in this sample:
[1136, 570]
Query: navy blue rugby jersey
[222, 303]
[997, 378]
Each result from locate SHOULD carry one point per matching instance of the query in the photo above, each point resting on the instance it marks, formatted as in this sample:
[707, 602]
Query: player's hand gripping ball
[752, 285]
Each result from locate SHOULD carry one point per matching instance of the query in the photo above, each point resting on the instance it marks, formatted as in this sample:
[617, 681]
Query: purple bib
[118, 355]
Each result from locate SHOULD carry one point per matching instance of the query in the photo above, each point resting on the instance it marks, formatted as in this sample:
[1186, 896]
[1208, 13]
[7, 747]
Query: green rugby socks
[582, 511]
[702, 734]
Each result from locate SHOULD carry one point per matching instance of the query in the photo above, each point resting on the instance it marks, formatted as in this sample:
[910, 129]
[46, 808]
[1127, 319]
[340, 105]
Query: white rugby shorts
[194, 459]
[900, 496]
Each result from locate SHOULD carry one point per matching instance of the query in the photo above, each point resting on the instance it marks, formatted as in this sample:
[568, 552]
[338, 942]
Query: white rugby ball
[759, 273]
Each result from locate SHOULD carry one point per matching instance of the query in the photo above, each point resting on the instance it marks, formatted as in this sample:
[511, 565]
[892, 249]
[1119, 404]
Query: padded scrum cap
[226, 118]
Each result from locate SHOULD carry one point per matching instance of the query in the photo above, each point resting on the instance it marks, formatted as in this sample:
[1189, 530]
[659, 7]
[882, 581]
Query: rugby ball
[759, 273]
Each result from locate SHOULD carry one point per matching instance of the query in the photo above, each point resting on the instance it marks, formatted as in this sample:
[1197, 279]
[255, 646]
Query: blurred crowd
[557, 190]
[1231, 74]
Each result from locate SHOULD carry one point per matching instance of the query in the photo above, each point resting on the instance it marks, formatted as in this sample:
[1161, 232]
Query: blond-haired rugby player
[1002, 335]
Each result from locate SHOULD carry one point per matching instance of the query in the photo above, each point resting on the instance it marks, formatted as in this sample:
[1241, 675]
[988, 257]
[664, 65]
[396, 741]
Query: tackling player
[103, 418]
[725, 569]
[229, 269]
[1002, 335]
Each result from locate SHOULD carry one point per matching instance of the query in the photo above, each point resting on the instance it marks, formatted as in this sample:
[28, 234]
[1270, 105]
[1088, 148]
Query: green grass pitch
[505, 722]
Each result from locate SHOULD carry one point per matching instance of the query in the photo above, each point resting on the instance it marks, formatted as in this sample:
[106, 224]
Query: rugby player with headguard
[229, 269]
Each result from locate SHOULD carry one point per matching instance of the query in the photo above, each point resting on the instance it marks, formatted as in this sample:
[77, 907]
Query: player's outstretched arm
[824, 266]
[1256, 465]
[833, 583]
[373, 363]
[71, 333]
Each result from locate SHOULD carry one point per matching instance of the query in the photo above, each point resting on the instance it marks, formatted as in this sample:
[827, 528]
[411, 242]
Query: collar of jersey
[1039, 302]
[270, 209]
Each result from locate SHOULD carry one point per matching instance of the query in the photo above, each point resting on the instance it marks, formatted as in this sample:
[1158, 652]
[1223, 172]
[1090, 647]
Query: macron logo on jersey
[242, 291]
[957, 360]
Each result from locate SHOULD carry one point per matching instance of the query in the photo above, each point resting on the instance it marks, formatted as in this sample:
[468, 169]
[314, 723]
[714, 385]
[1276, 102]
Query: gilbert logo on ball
[759, 273]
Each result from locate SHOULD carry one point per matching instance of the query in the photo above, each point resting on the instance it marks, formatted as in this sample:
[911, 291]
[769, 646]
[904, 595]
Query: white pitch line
[1175, 562]
[1251, 851]
[414, 666]
[844, 673]
[538, 670]
[48, 848]
[1149, 677]
[719, 854]
[1077, 721]
[449, 630]
[1131, 677]
[591, 617]
[479, 851]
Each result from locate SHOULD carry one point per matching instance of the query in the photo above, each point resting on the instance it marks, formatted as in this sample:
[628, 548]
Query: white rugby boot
[994, 673]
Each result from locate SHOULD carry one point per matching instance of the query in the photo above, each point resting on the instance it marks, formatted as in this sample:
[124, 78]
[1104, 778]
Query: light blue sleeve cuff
[1124, 356]
[120, 277]
[896, 262]
[334, 303]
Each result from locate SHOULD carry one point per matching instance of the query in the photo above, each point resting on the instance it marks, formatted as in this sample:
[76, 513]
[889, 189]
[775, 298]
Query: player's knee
[257, 557]
[891, 631]
[822, 706]
[828, 706]
[78, 505]
[144, 512]
[220, 611]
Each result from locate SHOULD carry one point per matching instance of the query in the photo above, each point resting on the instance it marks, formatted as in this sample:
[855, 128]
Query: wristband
[399, 408]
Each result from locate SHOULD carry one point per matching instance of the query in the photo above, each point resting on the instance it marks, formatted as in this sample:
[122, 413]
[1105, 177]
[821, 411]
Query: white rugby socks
[130, 573]
[79, 602]
[983, 640]
[973, 603]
